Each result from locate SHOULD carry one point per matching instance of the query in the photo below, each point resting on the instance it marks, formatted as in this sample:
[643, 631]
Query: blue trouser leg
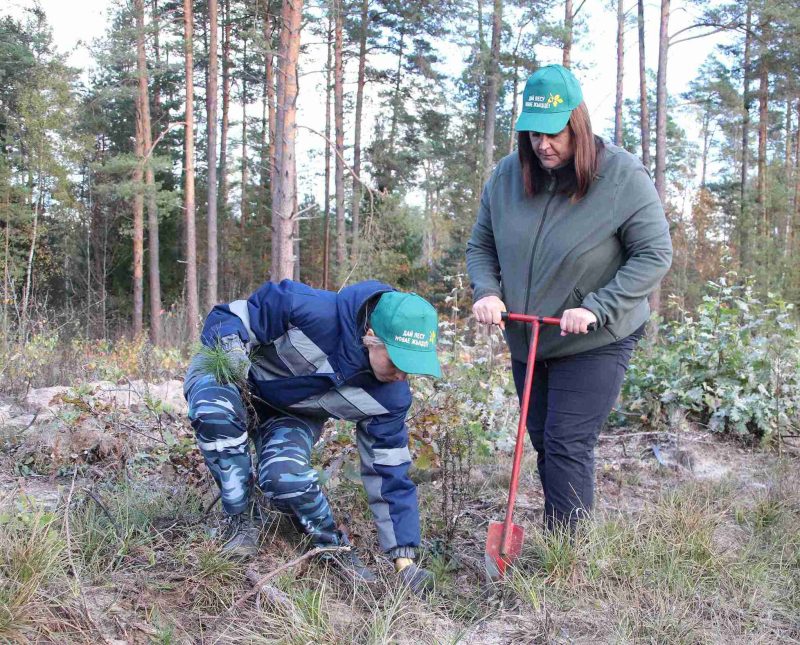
[219, 419]
[287, 479]
[571, 398]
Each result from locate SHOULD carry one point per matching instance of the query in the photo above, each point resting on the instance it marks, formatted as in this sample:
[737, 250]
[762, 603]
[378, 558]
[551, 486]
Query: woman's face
[553, 150]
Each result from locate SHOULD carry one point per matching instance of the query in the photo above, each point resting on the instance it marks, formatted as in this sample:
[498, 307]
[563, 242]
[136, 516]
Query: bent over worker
[306, 355]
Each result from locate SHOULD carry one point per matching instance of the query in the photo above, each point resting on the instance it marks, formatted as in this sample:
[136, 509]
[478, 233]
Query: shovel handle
[507, 316]
[536, 321]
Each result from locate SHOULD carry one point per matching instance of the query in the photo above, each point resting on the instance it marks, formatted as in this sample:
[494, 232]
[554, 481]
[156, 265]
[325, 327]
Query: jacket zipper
[553, 187]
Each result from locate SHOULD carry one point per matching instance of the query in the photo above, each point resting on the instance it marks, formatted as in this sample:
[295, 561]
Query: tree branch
[734, 23]
[341, 158]
[708, 33]
[580, 6]
[284, 567]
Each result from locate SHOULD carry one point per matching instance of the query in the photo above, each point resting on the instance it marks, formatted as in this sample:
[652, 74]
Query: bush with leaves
[735, 365]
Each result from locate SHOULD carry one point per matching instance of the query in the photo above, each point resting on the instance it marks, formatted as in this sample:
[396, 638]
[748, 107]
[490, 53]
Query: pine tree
[192, 304]
[211, 152]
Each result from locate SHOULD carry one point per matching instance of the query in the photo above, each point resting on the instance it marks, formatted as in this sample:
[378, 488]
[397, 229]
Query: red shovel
[504, 541]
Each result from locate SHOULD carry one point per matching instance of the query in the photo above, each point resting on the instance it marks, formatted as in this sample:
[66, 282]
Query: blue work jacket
[307, 359]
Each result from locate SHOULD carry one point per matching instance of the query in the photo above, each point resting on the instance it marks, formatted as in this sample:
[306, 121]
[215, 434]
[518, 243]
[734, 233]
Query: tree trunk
[268, 172]
[493, 78]
[706, 147]
[269, 71]
[620, 73]
[328, 92]
[283, 196]
[296, 237]
[661, 102]
[661, 131]
[338, 121]
[154, 19]
[644, 111]
[360, 81]
[6, 273]
[796, 202]
[785, 224]
[137, 244]
[568, 17]
[226, 101]
[481, 82]
[211, 108]
[481, 102]
[787, 148]
[481, 37]
[396, 93]
[763, 122]
[138, 226]
[268, 113]
[515, 88]
[244, 261]
[278, 229]
[192, 305]
[263, 150]
[744, 219]
[514, 93]
[150, 187]
[794, 220]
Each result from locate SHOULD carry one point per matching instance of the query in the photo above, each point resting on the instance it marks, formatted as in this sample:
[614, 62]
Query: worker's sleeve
[644, 233]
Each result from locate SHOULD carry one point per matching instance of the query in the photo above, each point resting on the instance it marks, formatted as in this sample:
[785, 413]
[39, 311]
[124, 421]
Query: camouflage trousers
[283, 457]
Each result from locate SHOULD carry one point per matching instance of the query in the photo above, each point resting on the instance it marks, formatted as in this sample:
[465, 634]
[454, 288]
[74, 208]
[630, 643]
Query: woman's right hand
[488, 309]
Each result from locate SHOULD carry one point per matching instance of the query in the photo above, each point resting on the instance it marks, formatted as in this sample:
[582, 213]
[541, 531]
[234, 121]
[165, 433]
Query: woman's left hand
[576, 321]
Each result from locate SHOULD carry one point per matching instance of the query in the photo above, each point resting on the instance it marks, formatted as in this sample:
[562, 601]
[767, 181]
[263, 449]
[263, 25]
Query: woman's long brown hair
[584, 162]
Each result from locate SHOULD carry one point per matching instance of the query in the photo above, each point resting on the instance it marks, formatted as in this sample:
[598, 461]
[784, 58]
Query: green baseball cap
[550, 95]
[408, 326]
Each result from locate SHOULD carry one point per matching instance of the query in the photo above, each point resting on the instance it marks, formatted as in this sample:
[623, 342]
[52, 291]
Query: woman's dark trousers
[571, 399]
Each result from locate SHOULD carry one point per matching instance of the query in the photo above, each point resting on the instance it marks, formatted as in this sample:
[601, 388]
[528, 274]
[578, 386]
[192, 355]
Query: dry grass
[665, 576]
[37, 595]
[703, 563]
[680, 560]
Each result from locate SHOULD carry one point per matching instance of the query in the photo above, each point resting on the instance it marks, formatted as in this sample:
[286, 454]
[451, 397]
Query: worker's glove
[419, 580]
[237, 358]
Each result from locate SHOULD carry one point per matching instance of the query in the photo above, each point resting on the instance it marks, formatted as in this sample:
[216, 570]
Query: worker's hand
[576, 321]
[238, 362]
[488, 309]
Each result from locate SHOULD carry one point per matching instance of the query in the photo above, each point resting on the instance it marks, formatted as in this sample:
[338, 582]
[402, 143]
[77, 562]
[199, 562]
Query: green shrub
[734, 365]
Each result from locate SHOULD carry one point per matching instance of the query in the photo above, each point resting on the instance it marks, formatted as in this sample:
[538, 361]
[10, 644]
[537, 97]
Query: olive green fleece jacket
[544, 254]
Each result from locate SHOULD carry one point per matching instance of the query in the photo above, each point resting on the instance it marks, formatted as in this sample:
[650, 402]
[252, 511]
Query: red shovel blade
[496, 561]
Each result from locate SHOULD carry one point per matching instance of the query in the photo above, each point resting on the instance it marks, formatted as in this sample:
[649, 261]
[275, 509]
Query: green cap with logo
[408, 326]
[550, 95]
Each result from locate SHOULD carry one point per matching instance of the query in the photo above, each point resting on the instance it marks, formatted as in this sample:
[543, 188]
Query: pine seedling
[226, 367]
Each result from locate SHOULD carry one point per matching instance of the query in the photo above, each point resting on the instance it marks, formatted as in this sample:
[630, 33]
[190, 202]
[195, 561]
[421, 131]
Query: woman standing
[569, 227]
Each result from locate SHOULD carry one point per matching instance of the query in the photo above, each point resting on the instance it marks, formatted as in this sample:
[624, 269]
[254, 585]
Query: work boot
[242, 534]
[419, 580]
[346, 564]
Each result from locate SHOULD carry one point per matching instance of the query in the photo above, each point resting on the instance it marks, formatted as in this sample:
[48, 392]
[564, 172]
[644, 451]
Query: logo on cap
[411, 337]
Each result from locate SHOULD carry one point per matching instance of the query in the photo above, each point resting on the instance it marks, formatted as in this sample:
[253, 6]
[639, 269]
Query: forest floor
[105, 537]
